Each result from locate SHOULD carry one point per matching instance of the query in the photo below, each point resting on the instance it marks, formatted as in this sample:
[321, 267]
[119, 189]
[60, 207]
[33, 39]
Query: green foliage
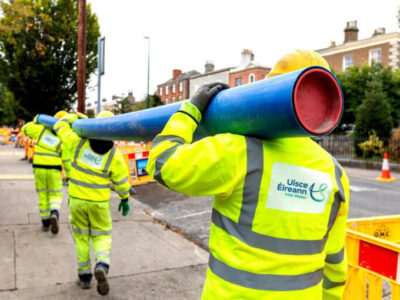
[154, 100]
[354, 81]
[8, 107]
[38, 40]
[90, 113]
[374, 114]
[373, 147]
[123, 106]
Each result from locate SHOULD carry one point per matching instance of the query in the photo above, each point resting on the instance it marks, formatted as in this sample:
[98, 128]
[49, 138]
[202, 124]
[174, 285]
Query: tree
[123, 106]
[38, 40]
[8, 107]
[154, 100]
[373, 115]
[354, 80]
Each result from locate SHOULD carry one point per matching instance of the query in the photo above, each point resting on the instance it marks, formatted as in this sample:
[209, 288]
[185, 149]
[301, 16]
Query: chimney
[351, 32]
[379, 31]
[176, 73]
[247, 57]
[131, 98]
[333, 44]
[209, 66]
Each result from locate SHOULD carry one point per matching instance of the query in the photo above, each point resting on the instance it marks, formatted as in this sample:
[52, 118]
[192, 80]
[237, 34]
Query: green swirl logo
[318, 195]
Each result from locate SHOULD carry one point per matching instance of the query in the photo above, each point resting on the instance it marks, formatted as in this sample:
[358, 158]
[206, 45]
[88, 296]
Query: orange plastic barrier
[373, 247]
[31, 149]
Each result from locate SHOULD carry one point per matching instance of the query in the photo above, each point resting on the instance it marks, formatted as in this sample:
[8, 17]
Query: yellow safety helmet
[60, 114]
[104, 113]
[298, 59]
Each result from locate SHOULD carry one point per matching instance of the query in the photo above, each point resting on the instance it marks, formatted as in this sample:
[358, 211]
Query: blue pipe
[282, 106]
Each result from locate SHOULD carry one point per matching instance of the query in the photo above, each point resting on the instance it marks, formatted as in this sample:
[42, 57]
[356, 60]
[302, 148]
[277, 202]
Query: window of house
[238, 81]
[161, 91]
[166, 90]
[180, 86]
[375, 55]
[180, 98]
[348, 61]
[166, 100]
[173, 89]
[252, 78]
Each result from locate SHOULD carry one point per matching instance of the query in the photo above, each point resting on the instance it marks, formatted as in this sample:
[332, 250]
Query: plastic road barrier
[306, 102]
[373, 247]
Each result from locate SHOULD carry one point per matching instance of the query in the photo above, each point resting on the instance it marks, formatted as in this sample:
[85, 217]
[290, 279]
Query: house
[177, 88]
[381, 47]
[210, 75]
[248, 71]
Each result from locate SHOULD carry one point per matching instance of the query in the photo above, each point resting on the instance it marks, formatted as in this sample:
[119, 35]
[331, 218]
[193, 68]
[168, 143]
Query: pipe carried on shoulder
[306, 102]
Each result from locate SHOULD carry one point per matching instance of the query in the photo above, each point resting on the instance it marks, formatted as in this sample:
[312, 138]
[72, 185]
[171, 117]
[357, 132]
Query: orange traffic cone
[385, 170]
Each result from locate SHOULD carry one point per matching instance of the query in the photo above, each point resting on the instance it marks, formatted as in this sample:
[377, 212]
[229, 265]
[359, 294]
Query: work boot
[100, 273]
[54, 221]
[46, 225]
[84, 285]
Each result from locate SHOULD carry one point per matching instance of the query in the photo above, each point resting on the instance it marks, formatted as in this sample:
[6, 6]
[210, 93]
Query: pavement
[159, 251]
[148, 260]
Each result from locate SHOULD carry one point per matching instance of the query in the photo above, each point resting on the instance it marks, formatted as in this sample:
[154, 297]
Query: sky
[185, 33]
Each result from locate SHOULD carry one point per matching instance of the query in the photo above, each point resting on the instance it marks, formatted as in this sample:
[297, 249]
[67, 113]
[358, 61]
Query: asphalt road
[191, 215]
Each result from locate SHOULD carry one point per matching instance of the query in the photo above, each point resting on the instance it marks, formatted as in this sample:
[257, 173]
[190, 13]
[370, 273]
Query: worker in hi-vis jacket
[280, 205]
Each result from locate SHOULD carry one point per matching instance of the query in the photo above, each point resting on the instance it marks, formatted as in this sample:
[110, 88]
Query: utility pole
[81, 78]
[101, 42]
[148, 70]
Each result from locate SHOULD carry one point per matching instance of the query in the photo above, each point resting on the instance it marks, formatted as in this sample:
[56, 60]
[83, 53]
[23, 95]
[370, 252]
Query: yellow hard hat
[298, 59]
[60, 114]
[104, 113]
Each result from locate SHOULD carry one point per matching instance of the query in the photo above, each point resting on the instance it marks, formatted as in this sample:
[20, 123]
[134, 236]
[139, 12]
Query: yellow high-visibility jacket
[279, 212]
[48, 147]
[91, 173]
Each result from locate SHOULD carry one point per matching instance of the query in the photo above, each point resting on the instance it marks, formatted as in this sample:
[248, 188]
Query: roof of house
[183, 76]
[348, 46]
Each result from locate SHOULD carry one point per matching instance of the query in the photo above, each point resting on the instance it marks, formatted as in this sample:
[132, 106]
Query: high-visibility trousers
[48, 184]
[90, 220]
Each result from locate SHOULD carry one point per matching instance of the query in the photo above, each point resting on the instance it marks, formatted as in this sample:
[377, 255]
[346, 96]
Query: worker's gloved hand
[206, 93]
[124, 205]
[35, 119]
[70, 118]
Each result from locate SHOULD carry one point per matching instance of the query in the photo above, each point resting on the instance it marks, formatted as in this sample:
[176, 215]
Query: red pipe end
[318, 101]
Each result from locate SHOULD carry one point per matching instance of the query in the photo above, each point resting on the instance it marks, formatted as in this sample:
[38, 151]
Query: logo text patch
[298, 189]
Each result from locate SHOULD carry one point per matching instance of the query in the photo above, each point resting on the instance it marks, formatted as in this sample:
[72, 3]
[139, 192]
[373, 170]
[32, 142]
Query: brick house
[381, 47]
[248, 71]
[177, 88]
[210, 75]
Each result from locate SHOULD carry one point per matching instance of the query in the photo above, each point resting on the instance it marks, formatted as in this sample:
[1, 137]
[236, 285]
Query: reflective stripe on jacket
[91, 174]
[279, 212]
[48, 146]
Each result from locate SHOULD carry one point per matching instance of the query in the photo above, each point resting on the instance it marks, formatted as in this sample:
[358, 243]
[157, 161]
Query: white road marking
[194, 214]
[354, 188]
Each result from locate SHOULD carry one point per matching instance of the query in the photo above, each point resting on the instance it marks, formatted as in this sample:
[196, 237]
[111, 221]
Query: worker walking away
[95, 164]
[280, 206]
[47, 171]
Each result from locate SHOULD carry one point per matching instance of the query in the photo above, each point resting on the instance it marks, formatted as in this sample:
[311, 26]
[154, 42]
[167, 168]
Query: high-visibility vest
[279, 211]
[89, 176]
[47, 149]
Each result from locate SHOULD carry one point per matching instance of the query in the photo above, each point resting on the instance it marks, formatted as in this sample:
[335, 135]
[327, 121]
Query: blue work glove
[124, 205]
[205, 94]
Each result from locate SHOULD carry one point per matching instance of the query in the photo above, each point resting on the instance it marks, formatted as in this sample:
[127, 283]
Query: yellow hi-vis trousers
[90, 220]
[48, 184]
